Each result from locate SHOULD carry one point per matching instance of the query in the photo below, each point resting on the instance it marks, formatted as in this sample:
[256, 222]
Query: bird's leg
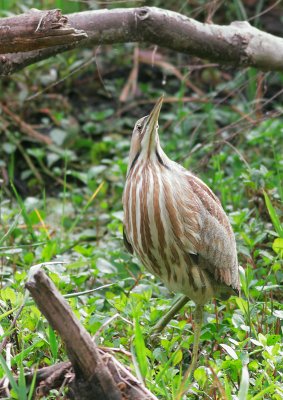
[160, 325]
[192, 367]
[197, 332]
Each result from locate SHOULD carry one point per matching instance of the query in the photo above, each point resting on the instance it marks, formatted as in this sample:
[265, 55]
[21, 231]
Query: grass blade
[9, 374]
[244, 385]
[273, 215]
[53, 343]
[140, 349]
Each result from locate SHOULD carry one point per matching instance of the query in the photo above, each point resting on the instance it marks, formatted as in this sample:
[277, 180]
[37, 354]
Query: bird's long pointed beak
[151, 125]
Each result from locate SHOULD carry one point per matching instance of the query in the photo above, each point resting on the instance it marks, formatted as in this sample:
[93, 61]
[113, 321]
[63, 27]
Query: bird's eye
[139, 127]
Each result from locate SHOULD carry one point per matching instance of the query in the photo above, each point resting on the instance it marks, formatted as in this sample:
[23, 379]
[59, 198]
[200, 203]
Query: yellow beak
[151, 126]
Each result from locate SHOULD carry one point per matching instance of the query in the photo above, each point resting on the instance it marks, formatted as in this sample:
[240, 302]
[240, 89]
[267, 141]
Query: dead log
[95, 374]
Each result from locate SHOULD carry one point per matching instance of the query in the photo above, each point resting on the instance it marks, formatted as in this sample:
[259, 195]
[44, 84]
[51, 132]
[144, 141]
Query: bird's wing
[214, 237]
[126, 242]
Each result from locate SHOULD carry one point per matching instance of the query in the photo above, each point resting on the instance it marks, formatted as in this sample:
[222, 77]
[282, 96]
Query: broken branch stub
[37, 30]
[92, 375]
[95, 373]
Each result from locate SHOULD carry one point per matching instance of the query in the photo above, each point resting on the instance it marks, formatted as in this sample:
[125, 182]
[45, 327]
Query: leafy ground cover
[60, 206]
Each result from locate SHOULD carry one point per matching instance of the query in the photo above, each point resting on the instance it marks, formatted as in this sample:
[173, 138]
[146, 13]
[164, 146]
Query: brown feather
[127, 243]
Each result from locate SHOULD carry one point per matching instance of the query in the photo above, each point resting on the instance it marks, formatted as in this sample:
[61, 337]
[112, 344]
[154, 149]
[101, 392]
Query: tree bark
[95, 373]
[35, 30]
[88, 366]
[238, 44]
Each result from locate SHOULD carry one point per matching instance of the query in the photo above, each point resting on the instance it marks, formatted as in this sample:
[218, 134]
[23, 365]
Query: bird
[177, 227]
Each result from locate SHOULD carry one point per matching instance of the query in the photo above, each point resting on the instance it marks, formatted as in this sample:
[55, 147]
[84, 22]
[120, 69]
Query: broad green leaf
[262, 339]
[178, 356]
[273, 339]
[8, 294]
[201, 376]
[278, 246]
[140, 349]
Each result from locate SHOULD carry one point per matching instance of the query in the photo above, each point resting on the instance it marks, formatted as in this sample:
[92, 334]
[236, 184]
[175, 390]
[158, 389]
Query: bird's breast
[154, 221]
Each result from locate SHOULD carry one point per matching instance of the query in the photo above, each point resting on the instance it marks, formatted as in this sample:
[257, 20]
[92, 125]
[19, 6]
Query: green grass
[81, 226]
[72, 224]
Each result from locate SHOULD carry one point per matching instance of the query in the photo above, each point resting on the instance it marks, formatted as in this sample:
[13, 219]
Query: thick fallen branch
[35, 30]
[238, 44]
[95, 374]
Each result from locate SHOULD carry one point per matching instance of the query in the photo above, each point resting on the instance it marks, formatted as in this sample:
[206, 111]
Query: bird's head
[145, 139]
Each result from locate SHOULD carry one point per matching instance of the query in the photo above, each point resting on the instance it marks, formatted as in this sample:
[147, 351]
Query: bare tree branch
[238, 44]
[36, 29]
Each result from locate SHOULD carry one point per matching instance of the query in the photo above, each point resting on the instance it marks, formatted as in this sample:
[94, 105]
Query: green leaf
[25, 352]
[177, 358]
[24, 214]
[262, 339]
[243, 305]
[22, 382]
[260, 396]
[53, 343]
[105, 266]
[273, 339]
[277, 246]
[8, 294]
[7, 313]
[32, 385]
[229, 350]
[244, 385]
[140, 349]
[200, 375]
[274, 217]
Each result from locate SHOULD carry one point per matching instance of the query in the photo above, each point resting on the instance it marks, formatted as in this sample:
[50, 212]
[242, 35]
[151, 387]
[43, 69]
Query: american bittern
[176, 225]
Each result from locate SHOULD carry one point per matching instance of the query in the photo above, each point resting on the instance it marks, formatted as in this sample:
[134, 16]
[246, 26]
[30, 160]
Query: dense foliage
[60, 206]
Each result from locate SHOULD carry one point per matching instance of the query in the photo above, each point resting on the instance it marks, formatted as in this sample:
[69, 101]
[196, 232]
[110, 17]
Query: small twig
[24, 127]
[130, 379]
[156, 59]
[218, 383]
[29, 162]
[116, 350]
[130, 88]
[108, 322]
[239, 154]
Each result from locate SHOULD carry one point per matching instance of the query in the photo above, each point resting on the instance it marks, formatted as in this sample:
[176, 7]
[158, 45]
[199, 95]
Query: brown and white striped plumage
[174, 222]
